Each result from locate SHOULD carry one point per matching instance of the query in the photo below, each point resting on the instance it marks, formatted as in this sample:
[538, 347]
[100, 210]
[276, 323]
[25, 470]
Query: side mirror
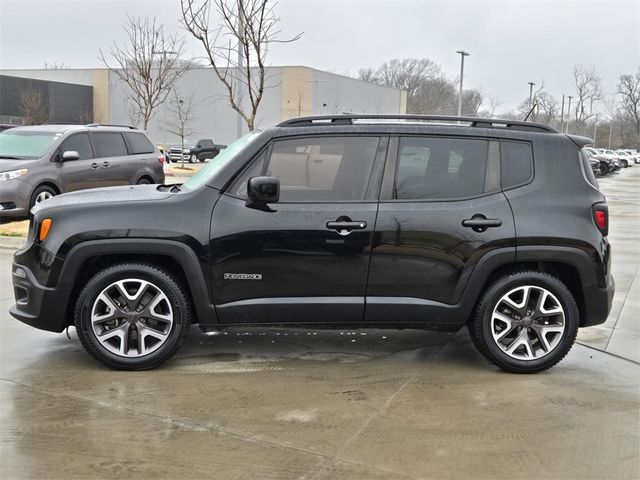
[263, 190]
[70, 155]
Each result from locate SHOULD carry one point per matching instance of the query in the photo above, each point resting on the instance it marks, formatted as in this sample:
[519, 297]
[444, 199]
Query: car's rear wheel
[132, 316]
[525, 322]
[42, 193]
[144, 181]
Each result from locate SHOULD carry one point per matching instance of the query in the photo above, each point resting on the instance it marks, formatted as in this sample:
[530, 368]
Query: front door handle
[344, 227]
[94, 165]
[105, 164]
[480, 223]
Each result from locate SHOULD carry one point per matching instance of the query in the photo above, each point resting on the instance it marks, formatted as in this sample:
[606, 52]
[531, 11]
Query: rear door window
[109, 144]
[433, 168]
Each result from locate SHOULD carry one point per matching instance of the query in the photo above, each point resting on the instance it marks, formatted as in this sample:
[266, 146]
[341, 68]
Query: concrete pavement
[306, 404]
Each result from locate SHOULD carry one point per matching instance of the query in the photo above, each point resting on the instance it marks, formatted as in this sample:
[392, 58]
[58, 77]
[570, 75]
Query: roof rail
[110, 125]
[350, 119]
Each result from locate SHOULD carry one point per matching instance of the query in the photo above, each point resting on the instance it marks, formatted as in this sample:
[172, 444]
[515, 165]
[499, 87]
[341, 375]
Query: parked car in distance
[201, 151]
[429, 222]
[627, 157]
[39, 162]
[606, 162]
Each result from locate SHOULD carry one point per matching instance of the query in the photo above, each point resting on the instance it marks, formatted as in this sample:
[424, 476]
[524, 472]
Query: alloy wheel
[528, 322]
[132, 318]
[42, 196]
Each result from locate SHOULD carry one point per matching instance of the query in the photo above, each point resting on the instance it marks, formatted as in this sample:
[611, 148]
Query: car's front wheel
[132, 316]
[193, 159]
[525, 322]
[40, 194]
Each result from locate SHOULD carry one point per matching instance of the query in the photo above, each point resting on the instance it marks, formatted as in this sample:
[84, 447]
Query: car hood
[8, 165]
[108, 195]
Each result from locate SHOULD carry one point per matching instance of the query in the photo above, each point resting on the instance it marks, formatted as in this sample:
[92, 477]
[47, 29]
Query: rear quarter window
[138, 143]
[516, 163]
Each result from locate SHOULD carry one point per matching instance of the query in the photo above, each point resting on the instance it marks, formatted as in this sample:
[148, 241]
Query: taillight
[161, 159]
[601, 218]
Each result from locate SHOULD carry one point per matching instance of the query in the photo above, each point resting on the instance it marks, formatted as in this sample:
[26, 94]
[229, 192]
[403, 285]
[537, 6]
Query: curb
[12, 243]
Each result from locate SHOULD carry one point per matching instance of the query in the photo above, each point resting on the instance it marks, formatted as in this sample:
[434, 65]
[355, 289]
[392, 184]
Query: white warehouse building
[290, 91]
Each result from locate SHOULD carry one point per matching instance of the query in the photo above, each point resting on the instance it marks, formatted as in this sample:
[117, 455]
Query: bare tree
[588, 90]
[629, 90]
[34, 106]
[182, 116]
[149, 63]
[368, 74]
[407, 73]
[238, 48]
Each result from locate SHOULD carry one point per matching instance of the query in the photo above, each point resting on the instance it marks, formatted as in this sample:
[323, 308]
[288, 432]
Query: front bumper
[37, 304]
[14, 199]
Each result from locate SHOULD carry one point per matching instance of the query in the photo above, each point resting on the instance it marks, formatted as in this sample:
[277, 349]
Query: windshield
[25, 145]
[220, 161]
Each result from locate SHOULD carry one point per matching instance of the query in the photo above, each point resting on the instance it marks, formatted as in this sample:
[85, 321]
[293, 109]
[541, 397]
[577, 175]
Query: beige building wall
[403, 101]
[101, 97]
[297, 92]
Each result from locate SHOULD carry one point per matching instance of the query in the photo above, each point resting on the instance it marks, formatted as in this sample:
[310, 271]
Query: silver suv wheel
[131, 318]
[527, 322]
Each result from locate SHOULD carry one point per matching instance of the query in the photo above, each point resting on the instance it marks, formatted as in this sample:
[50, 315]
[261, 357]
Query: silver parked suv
[42, 161]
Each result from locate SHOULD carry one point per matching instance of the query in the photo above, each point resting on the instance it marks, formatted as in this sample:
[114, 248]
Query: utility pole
[239, 72]
[568, 113]
[462, 55]
[164, 54]
[562, 115]
[531, 84]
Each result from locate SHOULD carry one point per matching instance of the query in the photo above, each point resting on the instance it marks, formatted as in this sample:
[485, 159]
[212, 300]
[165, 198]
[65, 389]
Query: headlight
[11, 174]
[187, 151]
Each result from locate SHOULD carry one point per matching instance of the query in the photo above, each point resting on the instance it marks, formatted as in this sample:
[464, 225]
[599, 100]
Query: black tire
[193, 159]
[38, 193]
[144, 181]
[164, 282]
[480, 327]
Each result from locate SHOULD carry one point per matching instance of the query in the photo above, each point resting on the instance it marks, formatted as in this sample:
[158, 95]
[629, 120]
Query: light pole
[610, 132]
[595, 130]
[562, 115]
[462, 55]
[568, 113]
[531, 84]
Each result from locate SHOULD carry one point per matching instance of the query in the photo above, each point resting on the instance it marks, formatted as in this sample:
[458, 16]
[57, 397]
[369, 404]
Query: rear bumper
[598, 303]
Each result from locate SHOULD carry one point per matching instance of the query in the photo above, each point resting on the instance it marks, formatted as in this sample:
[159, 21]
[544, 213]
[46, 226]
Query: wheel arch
[87, 258]
[574, 267]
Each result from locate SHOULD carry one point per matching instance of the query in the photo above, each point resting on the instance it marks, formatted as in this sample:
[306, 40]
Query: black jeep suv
[346, 221]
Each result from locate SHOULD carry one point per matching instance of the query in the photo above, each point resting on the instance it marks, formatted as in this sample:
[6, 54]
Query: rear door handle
[94, 165]
[345, 227]
[105, 164]
[480, 223]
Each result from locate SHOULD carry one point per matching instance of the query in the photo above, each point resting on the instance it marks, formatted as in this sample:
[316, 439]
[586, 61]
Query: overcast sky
[511, 42]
